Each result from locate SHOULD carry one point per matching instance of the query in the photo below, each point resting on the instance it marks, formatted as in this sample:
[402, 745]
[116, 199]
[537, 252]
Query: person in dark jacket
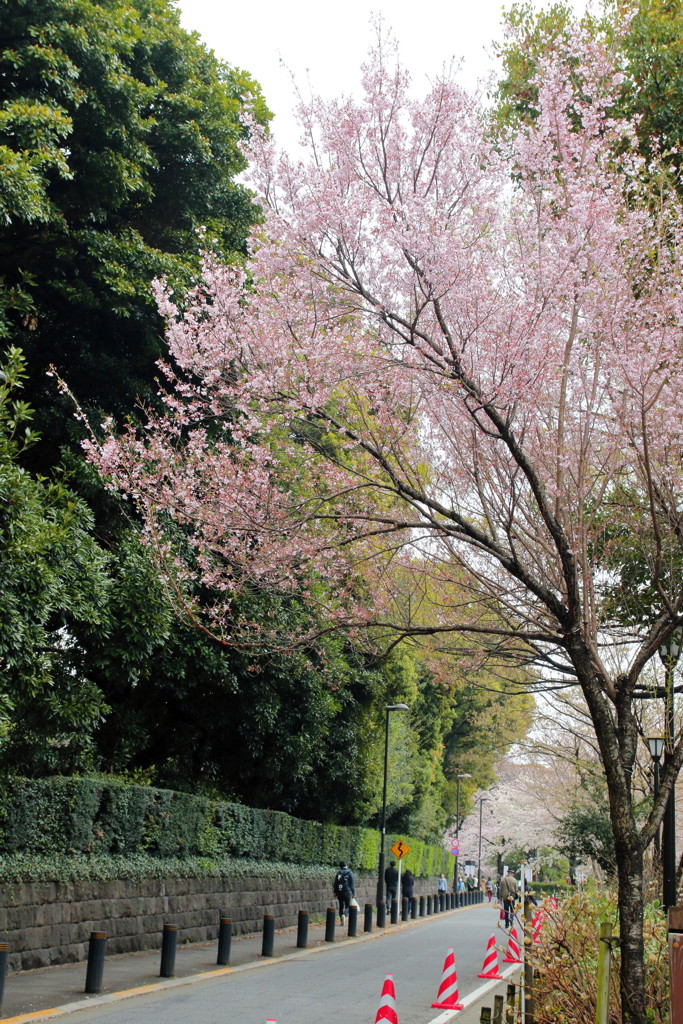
[344, 888]
[408, 884]
[391, 882]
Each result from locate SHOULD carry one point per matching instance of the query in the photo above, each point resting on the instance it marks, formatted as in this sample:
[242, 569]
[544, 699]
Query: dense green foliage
[585, 831]
[100, 674]
[51, 574]
[104, 816]
[119, 145]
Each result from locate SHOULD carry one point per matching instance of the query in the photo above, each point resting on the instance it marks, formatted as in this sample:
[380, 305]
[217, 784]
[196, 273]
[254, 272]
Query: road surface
[340, 984]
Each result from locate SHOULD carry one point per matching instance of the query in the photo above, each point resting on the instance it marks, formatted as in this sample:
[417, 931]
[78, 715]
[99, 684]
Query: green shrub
[108, 816]
[425, 860]
[548, 888]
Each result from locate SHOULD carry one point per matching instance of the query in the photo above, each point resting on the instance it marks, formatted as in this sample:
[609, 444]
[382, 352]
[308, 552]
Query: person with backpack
[344, 889]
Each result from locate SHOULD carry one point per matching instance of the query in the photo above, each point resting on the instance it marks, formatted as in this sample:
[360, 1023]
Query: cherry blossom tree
[519, 813]
[443, 398]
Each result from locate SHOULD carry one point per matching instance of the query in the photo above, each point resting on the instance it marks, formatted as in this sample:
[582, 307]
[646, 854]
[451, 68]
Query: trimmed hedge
[547, 888]
[107, 816]
[19, 868]
[424, 860]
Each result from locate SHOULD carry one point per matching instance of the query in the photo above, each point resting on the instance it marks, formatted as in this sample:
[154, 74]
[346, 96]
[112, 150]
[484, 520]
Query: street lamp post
[655, 744]
[464, 775]
[669, 653]
[383, 830]
[482, 801]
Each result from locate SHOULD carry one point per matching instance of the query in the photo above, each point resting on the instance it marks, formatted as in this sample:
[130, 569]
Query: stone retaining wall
[50, 922]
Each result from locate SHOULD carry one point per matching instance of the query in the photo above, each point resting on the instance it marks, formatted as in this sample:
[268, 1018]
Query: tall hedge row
[95, 815]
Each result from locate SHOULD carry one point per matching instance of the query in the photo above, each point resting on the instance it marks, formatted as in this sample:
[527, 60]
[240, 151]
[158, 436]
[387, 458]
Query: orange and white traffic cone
[490, 968]
[512, 955]
[387, 1007]
[447, 996]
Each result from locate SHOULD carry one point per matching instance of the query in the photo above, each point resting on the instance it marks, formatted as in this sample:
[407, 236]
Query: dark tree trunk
[618, 751]
[631, 909]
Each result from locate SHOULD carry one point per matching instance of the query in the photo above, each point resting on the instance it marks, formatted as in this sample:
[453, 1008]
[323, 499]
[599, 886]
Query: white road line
[474, 996]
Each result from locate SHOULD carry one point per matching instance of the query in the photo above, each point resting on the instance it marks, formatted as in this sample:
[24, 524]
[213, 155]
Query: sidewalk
[53, 991]
[32, 993]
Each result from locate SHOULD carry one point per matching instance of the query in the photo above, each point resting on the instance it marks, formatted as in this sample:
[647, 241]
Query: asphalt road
[335, 985]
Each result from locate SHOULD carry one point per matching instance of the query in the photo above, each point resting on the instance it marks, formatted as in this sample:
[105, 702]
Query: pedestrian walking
[344, 888]
[508, 893]
[391, 882]
[408, 884]
[441, 889]
[489, 889]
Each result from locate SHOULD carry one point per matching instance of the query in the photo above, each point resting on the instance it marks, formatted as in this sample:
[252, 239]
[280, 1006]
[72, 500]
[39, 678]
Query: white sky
[327, 42]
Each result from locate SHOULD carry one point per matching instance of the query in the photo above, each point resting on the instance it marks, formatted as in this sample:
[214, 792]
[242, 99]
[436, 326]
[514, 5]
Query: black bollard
[95, 969]
[268, 935]
[435, 904]
[394, 911]
[224, 941]
[353, 922]
[381, 914]
[367, 922]
[405, 909]
[429, 905]
[169, 943]
[4, 953]
[423, 906]
[413, 907]
[302, 930]
[330, 921]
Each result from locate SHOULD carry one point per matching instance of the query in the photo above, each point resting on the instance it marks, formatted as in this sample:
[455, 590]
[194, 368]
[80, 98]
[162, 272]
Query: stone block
[19, 918]
[34, 958]
[74, 953]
